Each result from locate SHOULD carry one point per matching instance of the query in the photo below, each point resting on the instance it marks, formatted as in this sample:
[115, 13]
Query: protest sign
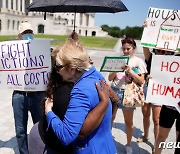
[25, 65]
[114, 64]
[162, 30]
[164, 87]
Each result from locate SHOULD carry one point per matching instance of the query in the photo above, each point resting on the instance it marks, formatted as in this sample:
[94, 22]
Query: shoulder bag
[133, 95]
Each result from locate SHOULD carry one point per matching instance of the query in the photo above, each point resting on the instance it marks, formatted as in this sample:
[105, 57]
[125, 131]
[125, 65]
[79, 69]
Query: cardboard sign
[25, 65]
[114, 64]
[164, 87]
[162, 30]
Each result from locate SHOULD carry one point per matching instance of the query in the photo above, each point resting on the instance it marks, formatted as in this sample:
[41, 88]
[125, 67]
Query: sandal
[142, 139]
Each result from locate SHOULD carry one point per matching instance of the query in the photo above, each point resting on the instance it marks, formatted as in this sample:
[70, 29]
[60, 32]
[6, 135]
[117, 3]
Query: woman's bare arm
[139, 79]
[147, 53]
[111, 76]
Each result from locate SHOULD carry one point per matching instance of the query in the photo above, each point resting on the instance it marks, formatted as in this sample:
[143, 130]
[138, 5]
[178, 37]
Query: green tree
[133, 32]
[115, 31]
[105, 28]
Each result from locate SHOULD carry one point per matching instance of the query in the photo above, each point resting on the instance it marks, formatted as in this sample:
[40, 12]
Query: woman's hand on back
[48, 105]
[103, 91]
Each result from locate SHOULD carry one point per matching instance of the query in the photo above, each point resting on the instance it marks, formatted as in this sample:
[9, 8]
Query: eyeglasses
[58, 67]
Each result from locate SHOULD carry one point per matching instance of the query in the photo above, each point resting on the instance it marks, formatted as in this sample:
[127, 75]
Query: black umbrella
[77, 6]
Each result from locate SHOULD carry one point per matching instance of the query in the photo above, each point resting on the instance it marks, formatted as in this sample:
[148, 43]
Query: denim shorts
[145, 87]
[120, 93]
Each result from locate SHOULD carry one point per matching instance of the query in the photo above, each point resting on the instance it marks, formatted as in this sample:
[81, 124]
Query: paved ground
[8, 144]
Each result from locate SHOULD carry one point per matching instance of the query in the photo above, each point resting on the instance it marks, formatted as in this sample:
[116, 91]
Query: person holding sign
[168, 116]
[24, 101]
[134, 71]
[156, 108]
[147, 106]
[74, 66]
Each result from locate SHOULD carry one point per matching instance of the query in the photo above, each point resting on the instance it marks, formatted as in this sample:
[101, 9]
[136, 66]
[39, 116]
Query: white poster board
[25, 65]
[162, 29]
[164, 87]
[114, 64]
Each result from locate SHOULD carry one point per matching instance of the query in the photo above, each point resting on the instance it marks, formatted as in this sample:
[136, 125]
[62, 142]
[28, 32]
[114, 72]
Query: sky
[137, 12]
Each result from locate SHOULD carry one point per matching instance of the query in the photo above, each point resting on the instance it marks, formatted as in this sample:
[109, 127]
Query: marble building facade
[13, 12]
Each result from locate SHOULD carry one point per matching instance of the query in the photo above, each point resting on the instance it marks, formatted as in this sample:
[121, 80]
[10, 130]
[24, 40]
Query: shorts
[145, 87]
[120, 93]
[168, 116]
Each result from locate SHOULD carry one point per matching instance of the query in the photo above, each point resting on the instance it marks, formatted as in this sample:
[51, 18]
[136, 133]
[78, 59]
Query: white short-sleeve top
[134, 62]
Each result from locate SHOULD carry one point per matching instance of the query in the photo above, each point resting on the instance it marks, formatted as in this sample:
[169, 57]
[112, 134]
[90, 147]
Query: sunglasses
[58, 67]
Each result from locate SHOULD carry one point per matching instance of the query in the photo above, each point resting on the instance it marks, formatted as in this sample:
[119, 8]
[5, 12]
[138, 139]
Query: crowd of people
[76, 112]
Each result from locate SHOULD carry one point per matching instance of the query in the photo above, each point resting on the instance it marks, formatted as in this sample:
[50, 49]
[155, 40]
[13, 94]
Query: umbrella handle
[44, 15]
[74, 19]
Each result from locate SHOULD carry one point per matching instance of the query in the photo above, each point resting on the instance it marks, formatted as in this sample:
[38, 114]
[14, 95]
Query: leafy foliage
[106, 28]
[133, 32]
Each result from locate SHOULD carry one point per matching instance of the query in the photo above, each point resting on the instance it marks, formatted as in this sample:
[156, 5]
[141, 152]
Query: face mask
[27, 36]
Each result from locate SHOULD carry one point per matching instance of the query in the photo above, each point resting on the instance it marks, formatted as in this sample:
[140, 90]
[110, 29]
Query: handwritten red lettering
[174, 65]
[164, 65]
[171, 67]
[158, 89]
[155, 89]
[177, 94]
[176, 80]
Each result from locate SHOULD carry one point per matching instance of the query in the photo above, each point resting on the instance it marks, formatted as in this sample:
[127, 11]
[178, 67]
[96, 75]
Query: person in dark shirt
[163, 117]
[61, 95]
[73, 65]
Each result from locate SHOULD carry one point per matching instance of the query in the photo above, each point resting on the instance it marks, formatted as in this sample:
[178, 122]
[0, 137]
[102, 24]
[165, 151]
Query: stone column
[84, 20]
[4, 4]
[9, 5]
[14, 5]
[23, 6]
[87, 20]
[19, 6]
[4, 7]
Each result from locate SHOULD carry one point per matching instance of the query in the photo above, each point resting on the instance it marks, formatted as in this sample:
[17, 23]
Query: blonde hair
[73, 54]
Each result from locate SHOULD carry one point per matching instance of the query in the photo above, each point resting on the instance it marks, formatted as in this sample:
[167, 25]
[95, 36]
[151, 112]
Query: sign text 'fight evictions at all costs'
[27, 59]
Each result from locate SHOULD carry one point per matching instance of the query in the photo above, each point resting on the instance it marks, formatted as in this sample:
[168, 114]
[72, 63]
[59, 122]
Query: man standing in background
[24, 101]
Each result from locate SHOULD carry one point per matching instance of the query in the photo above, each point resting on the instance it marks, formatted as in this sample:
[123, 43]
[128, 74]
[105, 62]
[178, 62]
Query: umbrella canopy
[80, 6]
[77, 6]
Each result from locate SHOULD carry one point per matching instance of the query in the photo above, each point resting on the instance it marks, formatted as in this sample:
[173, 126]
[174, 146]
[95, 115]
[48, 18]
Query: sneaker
[128, 149]
[142, 139]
